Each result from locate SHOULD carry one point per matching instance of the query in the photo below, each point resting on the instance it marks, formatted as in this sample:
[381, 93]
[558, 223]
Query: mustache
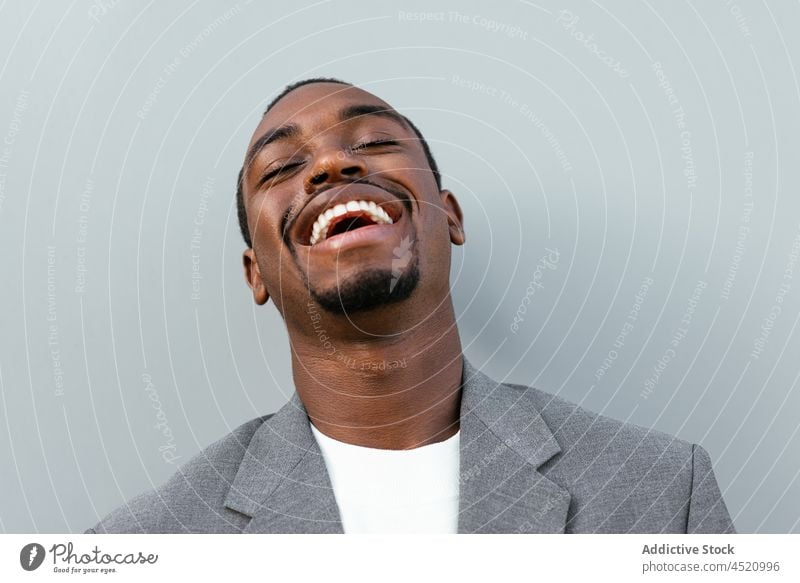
[294, 211]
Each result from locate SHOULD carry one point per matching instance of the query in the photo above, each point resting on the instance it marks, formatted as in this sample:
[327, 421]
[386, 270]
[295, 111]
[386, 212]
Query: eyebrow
[284, 132]
[354, 111]
[348, 113]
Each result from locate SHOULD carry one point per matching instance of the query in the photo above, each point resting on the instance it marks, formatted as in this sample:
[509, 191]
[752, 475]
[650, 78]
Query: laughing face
[343, 208]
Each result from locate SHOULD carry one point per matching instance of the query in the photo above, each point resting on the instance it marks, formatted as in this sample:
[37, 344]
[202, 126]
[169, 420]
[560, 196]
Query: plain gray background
[640, 140]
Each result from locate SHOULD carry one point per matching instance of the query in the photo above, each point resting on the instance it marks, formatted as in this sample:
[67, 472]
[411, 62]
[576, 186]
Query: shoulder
[192, 499]
[622, 477]
[579, 429]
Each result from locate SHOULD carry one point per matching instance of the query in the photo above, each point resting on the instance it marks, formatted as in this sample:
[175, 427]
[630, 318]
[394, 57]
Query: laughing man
[390, 429]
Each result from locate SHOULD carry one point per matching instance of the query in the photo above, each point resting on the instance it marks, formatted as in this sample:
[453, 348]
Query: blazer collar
[283, 485]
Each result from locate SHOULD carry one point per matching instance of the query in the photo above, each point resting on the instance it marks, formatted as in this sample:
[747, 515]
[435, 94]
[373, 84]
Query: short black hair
[242, 212]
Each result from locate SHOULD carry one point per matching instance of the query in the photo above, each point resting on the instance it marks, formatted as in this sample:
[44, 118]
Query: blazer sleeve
[707, 511]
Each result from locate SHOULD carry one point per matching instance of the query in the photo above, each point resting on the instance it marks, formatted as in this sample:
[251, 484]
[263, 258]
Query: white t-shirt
[394, 491]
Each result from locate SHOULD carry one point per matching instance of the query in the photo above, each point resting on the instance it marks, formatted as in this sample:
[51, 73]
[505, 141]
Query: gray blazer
[530, 463]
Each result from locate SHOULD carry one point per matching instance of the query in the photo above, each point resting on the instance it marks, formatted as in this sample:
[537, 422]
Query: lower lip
[363, 236]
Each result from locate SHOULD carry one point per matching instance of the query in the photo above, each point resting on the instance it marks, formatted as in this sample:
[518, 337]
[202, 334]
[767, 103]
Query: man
[391, 429]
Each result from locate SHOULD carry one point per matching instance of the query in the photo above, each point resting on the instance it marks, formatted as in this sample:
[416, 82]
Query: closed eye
[270, 174]
[375, 144]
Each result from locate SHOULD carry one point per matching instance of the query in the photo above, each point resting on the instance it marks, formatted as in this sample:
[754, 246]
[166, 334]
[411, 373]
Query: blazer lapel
[504, 441]
[283, 484]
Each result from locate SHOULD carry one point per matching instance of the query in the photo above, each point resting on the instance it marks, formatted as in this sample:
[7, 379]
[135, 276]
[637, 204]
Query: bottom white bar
[400, 558]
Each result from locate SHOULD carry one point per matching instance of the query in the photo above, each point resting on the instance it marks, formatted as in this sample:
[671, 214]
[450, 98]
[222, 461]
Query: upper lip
[301, 230]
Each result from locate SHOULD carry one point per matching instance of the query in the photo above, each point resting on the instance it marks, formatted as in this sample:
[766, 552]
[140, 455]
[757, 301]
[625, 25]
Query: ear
[455, 219]
[252, 275]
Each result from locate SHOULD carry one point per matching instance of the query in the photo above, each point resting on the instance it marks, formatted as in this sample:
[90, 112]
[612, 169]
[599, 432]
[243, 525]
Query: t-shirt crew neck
[394, 491]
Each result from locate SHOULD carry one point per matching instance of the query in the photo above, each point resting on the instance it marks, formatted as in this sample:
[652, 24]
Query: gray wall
[653, 146]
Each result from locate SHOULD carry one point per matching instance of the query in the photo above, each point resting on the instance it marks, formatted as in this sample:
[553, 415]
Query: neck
[388, 391]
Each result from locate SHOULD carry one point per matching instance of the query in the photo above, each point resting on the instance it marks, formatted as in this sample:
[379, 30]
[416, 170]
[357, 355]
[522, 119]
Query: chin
[368, 290]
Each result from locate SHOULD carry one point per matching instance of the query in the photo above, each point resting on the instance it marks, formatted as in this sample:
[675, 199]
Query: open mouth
[346, 217]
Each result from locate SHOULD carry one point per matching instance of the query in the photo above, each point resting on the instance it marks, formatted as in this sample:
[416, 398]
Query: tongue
[351, 224]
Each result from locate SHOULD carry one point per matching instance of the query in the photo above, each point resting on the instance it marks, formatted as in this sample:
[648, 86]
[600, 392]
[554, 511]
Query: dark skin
[387, 377]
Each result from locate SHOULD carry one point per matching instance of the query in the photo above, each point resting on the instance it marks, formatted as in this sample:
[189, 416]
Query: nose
[334, 166]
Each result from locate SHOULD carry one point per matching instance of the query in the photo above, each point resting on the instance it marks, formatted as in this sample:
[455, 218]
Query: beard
[369, 290]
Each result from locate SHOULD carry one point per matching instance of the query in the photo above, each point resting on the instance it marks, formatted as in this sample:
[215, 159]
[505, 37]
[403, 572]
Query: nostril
[351, 170]
[319, 178]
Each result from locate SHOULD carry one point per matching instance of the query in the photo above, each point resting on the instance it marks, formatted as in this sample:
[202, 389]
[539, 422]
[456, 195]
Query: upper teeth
[319, 231]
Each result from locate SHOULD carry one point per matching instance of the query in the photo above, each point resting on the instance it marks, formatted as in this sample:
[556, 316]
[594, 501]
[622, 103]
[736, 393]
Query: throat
[400, 397]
